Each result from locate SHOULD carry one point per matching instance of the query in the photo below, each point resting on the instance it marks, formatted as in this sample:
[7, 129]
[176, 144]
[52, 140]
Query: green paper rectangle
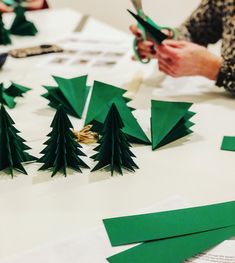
[147, 227]
[228, 143]
[174, 250]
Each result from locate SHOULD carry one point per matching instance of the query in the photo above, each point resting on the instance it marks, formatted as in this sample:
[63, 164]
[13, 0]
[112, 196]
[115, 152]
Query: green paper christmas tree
[102, 97]
[114, 149]
[21, 26]
[16, 90]
[12, 146]
[8, 95]
[4, 34]
[71, 93]
[170, 121]
[62, 150]
[6, 99]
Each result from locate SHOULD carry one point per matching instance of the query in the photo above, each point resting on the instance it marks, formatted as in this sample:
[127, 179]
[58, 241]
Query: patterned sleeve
[206, 26]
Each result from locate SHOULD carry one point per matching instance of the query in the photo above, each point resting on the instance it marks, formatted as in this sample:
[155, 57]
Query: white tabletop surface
[37, 209]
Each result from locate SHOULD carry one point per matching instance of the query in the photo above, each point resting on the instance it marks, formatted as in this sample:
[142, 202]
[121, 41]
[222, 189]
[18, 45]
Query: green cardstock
[16, 90]
[12, 147]
[102, 98]
[151, 28]
[71, 93]
[147, 227]
[4, 33]
[174, 250]
[21, 26]
[169, 121]
[62, 150]
[228, 143]
[114, 149]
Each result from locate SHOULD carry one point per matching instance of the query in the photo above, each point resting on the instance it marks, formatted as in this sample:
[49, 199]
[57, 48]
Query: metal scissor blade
[155, 33]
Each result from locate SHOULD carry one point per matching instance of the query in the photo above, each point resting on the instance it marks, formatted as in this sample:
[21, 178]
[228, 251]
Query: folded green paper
[169, 121]
[4, 33]
[114, 149]
[62, 150]
[21, 26]
[12, 147]
[102, 98]
[16, 90]
[175, 249]
[228, 143]
[71, 93]
[154, 226]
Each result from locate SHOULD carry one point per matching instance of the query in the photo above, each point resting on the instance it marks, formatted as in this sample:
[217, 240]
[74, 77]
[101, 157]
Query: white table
[36, 209]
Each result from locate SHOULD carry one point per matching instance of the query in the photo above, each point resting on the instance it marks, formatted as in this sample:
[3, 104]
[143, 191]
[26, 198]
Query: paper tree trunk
[169, 121]
[102, 97]
[62, 150]
[21, 26]
[4, 33]
[71, 93]
[12, 146]
[114, 149]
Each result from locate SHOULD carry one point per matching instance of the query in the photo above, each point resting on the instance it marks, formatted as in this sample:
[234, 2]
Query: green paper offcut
[165, 118]
[174, 250]
[102, 98]
[228, 143]
[147, 227]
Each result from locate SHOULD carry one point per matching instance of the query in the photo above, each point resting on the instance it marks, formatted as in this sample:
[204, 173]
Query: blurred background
[165, 12]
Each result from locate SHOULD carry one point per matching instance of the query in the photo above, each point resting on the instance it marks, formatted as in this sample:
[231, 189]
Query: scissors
[139, 9]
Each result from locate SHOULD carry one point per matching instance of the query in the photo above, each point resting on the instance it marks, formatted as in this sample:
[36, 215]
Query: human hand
[182, 58]
[4, 8]
[34, 4]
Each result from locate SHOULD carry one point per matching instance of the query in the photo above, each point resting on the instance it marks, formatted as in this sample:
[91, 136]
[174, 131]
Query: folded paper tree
[183, 233]
[151, 28]
[4, 33]
[114, 149]
[102, 98]
[12, 146]
[21, 26]
[62, 151]
[71, 93]
[7, 95]
[228, 143]
[169, 122]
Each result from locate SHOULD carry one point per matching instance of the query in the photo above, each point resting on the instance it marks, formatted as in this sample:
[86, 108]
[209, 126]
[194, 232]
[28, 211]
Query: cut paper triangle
[228, 143]
[154, 226]
[16, 90]
[6, 99]
[114, 149]
[150, 27]
[4, 33]
[169, 121]
[71, 93]
[102, 98]
[175, 249]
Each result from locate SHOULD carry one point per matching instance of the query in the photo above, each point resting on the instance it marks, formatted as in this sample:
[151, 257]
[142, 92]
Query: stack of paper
[71, 93]
[171, 236]
[169, 121]
[228, 143]
[102, 98]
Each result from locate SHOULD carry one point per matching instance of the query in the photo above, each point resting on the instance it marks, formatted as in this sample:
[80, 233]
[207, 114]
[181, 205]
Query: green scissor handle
[144, 36]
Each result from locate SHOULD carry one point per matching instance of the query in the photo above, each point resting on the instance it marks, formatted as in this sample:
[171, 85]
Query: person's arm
[204, 26]
[226, 75]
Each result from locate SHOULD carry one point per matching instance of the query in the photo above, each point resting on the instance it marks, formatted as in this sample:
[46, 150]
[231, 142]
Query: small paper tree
[21, 26]
[113, 151]
[12, 147]
[4, 34]
[62, 149]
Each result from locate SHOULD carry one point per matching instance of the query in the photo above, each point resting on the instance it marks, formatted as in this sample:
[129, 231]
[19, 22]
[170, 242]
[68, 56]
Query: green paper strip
[174, 250]
[228, 143]
[147, 227]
